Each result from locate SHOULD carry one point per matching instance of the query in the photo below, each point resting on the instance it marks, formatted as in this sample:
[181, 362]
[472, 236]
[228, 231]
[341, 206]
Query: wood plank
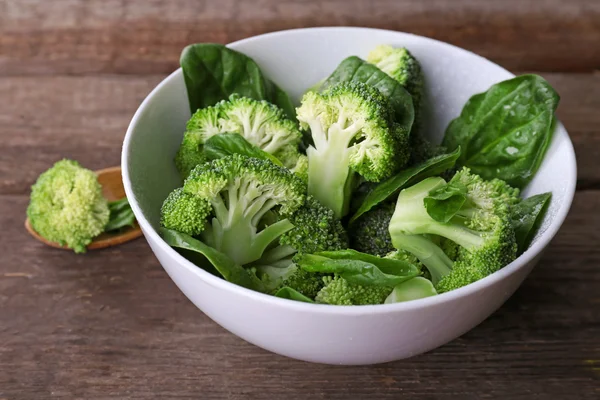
[45, 118]
[111, 324]
[141, 37]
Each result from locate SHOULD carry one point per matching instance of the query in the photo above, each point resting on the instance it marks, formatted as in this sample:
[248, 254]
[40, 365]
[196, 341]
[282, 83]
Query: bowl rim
[151, 234]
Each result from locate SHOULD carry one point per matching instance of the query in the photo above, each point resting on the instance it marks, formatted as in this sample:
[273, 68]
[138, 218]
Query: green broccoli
[339, 291]
[241, 191]
[259, 122]
[370, 233]
[253, 211]
[479, 224]
[67, 206]
[401, 65]
[315, 229]
[352, 132]
[185, 212]
[295, 161]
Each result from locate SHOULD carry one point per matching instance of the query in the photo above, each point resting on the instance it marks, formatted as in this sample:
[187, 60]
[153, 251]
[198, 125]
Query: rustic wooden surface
[111, 324]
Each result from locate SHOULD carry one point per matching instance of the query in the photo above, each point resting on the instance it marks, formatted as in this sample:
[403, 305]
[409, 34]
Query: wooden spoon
[112, 189]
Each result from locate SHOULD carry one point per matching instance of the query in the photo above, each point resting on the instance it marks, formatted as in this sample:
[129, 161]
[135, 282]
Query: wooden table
[111, 324]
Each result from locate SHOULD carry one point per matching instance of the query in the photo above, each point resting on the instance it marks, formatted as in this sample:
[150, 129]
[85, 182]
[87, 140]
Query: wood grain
[45, 118]
[111, 324]
[146, 37]
[81, 327]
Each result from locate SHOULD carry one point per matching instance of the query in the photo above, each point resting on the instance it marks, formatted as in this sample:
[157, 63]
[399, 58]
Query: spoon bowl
[112, 189]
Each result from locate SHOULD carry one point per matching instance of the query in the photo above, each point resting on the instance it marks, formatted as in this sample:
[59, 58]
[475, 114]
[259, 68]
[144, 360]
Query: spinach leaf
[443, 203]
[228, 269]
[226, 144]
[212, 72]
[432, 167]
[527, 215]
[121, 215]
[355, 69]
[292, 294]
[355, 269]
[386, 265]
[504, 133]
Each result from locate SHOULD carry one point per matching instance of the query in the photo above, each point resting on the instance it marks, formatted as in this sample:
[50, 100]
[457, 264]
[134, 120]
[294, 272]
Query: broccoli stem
[234, 227]
[276, 254]
[329, 175]
[434, 258]
[460, 235]
[411, 216]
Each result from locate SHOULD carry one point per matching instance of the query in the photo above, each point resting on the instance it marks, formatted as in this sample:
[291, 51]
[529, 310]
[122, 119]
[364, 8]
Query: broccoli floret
[185, 212]
[307, 283]
[339, 291]
[352, 133]
[315, 229]
[295, 161]
[285, 273]
[203, 125]
[400, 64]
[241, 191]
[370, 233]
[300, 168]
[404, 256]
[259, 122]
[67, 206]
[480, 228]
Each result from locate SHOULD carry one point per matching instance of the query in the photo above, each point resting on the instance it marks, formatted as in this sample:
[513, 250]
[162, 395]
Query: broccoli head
[185, 212]
[370, 233]
[400, 64]
[241, 191]
[259, 122]
[315, 229]
[67, 206]
[480, 227]
[295, 161]
[352, 133]
[338, 291]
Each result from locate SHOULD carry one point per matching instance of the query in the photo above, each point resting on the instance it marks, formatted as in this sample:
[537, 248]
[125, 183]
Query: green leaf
[412, 289]
[118, 205]
[527, 216]
[226, 144]
[213, 72]
[504, 133]
[281, 99]
[386, 189]
[355, 69]
[387, 265]
[444, 202]
[121, 215]
[228, 269]
[292, 294]
[356, 270]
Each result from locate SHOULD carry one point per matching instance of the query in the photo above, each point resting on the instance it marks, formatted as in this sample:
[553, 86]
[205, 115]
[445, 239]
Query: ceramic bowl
[295, 60]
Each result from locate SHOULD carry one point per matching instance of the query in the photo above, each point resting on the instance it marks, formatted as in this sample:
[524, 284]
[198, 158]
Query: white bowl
[295, 60]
